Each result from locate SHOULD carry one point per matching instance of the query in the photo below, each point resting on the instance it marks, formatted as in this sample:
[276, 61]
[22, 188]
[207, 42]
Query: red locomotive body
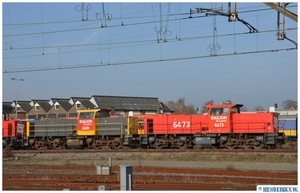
[256, 122]
[13, 132]
[222, 126]
[174, 124]
[13, 128]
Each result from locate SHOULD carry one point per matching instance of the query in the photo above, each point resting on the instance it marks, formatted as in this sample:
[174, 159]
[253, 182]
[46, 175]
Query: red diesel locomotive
[224, 126]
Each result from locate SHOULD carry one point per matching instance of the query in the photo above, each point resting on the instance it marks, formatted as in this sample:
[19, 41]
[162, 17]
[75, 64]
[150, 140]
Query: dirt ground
[209, 161]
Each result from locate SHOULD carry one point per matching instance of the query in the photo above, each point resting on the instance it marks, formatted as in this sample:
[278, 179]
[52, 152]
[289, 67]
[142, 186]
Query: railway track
[143, 179]
[153, 150]
[54, 170]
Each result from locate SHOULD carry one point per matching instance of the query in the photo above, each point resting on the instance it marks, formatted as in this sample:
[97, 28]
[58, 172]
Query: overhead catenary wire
[95, 21]
[42, 28]
[79, 29]
[141, 61]
[126, 44]
[111, 44]
[91, 44]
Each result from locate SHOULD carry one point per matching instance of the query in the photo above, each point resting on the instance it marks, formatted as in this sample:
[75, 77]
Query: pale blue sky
[143, 62]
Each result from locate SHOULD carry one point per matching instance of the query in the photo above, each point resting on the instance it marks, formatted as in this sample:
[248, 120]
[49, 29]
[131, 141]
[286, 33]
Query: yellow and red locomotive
[224, 126]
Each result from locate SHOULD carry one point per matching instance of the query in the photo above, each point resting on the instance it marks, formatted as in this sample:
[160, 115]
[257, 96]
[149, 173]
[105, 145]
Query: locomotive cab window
[87, 115]
[217, 111]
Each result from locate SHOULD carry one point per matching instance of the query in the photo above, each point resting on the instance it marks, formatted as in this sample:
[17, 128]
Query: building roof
[85, 101]
[25, 105]
[64, 103]
[287, 112]
[166, 108]
[7, 107]
[126, 103]
[44, 104]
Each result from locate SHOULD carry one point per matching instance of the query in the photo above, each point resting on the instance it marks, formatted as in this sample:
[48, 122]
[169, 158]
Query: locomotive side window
[234, 110]
[102, 114]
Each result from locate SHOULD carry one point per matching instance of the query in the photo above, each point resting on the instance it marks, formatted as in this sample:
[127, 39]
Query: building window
[52, 116]
[18, 108]
[41, 116]
[61, 115]
[73, 115]
[56, 107]
[37, 108]
[31, 116]
[78, 106]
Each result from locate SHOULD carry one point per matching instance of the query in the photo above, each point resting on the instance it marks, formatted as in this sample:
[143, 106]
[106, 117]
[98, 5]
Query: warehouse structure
[63, 107]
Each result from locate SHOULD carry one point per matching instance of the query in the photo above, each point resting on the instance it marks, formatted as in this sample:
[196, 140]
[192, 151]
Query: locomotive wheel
[90, 145]
[175, 144]
[110, 145]
[114, 145]
[56, 145]
[249, 145]
[259, 146]
[178, 144]
[182, 145]
[50, 145]
[158, 145]
[231, 145]
[39, 145]
[97, 145]
[118, 146]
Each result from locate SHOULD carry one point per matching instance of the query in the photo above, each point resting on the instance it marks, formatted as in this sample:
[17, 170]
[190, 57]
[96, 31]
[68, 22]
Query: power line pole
[16, 106]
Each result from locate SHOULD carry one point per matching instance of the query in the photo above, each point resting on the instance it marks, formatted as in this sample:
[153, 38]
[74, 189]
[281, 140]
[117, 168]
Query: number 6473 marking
[181, 124]
[219, 124]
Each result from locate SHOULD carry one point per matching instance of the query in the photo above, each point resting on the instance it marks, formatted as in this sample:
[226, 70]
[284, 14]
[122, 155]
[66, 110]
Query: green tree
[180, 107]
[204, 109]
[290, 105]
[259, 108]
[243, 109]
